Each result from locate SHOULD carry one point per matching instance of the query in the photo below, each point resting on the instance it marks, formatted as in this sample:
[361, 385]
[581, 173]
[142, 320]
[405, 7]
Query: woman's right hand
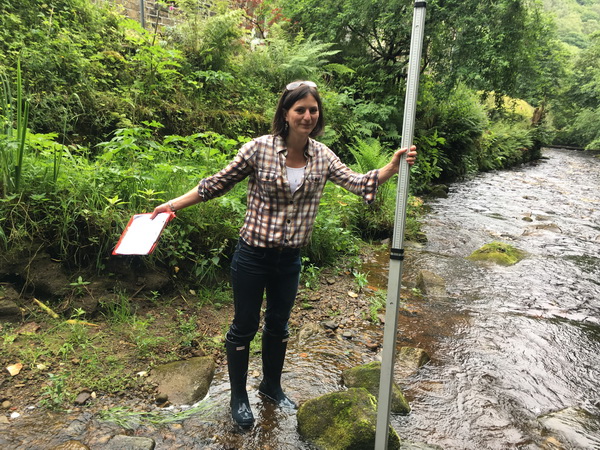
[162, 208]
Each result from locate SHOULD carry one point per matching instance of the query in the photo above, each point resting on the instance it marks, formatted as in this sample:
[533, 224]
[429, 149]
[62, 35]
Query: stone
[122, 442]
[409, 360]
[331, 325]
[438, 191]
[161, 398]
[367, 376]
[499, 253]
[342, 421]
[573, 424]
[9, 309]
[431, 284]
[83, 398]
[414, 357]
[184, 382]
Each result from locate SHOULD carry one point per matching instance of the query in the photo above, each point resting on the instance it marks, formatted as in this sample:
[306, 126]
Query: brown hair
[287, 100]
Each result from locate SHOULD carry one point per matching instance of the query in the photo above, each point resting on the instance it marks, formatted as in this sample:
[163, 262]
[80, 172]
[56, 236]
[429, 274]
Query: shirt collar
[280, 146]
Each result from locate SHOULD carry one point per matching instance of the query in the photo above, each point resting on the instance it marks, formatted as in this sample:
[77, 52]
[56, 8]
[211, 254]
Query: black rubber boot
[237, 364]
[273, 356]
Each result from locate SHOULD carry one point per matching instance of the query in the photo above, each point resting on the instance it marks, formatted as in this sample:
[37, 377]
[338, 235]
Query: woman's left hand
[391, 168]
[411, 156]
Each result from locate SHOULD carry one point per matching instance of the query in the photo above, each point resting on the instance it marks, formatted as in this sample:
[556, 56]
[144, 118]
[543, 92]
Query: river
[515, 351]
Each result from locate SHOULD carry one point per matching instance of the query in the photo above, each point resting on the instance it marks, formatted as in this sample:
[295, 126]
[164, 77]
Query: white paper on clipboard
[141, 234]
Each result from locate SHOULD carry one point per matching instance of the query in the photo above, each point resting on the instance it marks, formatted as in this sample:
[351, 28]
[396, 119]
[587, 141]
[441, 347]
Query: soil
[336, 304]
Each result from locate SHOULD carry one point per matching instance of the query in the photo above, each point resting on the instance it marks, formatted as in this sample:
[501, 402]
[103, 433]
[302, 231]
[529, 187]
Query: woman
[287, 172]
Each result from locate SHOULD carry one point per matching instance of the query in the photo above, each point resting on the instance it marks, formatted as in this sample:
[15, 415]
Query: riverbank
[76, 359]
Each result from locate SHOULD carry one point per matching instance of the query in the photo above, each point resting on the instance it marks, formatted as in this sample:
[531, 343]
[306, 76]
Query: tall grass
[12, 141]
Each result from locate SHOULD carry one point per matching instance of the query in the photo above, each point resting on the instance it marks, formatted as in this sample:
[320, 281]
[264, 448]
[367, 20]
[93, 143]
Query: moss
[499, 253]
[367, 376]
[342, 421]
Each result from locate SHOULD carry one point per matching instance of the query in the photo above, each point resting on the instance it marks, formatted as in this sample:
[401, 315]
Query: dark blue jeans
[254, 272]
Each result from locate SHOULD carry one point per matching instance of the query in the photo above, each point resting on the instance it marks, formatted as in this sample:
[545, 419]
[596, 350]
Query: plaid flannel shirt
[275, 217]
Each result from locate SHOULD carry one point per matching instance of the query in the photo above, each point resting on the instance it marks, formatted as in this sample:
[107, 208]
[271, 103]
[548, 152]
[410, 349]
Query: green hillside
[575, 20]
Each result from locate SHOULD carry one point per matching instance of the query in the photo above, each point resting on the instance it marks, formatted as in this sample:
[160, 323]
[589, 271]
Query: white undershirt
[295, 177]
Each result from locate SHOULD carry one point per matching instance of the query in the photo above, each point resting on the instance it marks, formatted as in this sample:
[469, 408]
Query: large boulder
[184, 382]
[342, 421]
[499, 253]
[367, 376]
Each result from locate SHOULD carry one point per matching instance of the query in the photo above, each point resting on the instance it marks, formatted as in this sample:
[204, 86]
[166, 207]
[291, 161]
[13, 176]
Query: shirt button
[289, 221]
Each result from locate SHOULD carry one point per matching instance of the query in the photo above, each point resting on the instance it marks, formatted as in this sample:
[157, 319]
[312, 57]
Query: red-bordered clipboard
[142, 234]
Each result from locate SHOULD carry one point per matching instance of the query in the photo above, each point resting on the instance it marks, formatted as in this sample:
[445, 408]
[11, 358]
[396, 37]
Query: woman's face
[302, 117]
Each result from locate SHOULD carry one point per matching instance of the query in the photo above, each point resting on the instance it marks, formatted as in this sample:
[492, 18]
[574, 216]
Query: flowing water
[515, 351]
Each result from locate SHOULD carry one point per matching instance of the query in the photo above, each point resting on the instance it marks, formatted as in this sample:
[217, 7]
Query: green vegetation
[66, 357]
[110, 119]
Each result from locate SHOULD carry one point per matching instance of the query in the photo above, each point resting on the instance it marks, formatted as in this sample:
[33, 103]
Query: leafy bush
[461, 120]
[504, 145]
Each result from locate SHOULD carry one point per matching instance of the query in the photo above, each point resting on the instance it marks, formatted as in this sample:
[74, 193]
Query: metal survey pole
[397, 250]
[142, 14]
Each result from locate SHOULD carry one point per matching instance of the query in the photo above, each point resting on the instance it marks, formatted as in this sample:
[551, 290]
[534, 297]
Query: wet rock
[409, 360]
[330, 325]
[342, 420]
[367, 376]
[574, 424]
[431, 284]
[439, 191]
[347, 335]
[373, 346]
[413, 357]
[78, 426]
[71, 445]
[499, 253]
[185, 382]
[122, 442]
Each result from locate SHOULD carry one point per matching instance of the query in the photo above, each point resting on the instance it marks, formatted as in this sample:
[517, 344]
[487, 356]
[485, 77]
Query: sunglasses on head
[297, 84]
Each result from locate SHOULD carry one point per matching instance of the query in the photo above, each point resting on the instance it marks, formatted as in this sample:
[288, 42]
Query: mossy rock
[342, 421]
[499, 253]
[367, 376]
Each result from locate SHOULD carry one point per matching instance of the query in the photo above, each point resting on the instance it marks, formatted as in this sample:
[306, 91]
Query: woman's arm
[391, 168]
[188, 199]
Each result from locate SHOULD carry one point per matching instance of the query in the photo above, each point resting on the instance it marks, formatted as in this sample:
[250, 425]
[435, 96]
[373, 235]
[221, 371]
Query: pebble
[83, 398]
[6, 404]
[330, 324]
